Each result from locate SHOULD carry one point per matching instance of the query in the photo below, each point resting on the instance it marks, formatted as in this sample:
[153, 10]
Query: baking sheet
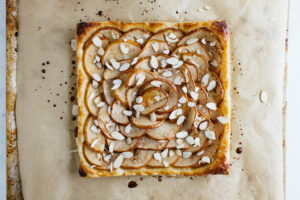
[45, 98]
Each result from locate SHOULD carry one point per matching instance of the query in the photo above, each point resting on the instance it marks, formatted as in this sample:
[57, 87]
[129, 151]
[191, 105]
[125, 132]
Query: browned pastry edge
[221, 163]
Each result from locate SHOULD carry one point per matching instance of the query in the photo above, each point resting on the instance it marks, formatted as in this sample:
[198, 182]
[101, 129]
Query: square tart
[153, 98]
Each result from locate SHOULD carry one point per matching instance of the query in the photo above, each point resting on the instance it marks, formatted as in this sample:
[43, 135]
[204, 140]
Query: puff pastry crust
[146, 92]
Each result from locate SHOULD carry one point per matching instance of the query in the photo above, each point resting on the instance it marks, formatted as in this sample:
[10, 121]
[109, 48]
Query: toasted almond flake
[166, 51]
[170, 40]
[153, 117]
[125, 39]
[210, 135]
[108, 66]
[97, 100]
[75, 110]
[211, 106]
[173, 114]
[128, 140]
[97, 41]
[141, 79]
[115, 64]
[157, 98]
[95, 84]
[128, 129]
[172, 36]
[178, 105]
[263, 97]
[214, 63]
[167, 74]
[203, 125]
[164, 153]
[156, 83]
[134, 61]
[74, 44]
[124, 67]
[186, 154]
[167, 107]
[184, 89]
[179, 111]
[178, 152]
[100, 104]
[127, 113]
[204, 80]
[155, 47]
[181, 134]
[212, 44]
[191, 104]
[203, 41]
[200, 153]
[98, 64]
[194, 95]
[212, 84]
[140, 40]
[172, 60]
[182, 100]
[100, 51]
[179, 141]
[118, 162]
[197, 142]
[107, 158]
[166, 164]
[111, 147]
[117, 83]
[117, 135]
[192, 41]
[163, 63]
[124, 49]
[127, 154]
[190, 140]
[177, 80]
[171, 153]
[197, 89]
[95, 142]
[205, 159]
[222, 119]
[139, 99]
[153, 62]
[97, 58]
[96, 77]
[206, 7]
[138, 107]
[157, 156]
[95, 129]
[137, 114]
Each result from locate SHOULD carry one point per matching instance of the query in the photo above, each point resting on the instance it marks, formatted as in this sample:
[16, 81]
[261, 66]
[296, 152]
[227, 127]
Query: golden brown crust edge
[221, 162]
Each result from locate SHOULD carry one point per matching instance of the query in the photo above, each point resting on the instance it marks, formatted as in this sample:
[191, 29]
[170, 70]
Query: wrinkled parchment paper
[49, 170]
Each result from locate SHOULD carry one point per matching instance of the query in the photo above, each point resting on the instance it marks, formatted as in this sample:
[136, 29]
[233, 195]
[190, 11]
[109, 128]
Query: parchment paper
[46, 133]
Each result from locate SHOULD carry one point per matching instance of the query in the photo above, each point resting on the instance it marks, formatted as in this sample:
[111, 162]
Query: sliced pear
[89, 55]
[202, 95]
[184, 106]
[211, 151]
[199, 60]
[166, 131]
[204, 110]
[150, 102]
[145, 122]
[174, 74]
[192, 48]
[133, 80]
[122, 145]
[107, 92]
[134, 132]
[217, 94]
[131, 95]
[138, 35]
[169, 35]
[91, 137]
[188, 162]
[140, 159]
[193, 70]
[190, 117]
[219, 129]
[106, 124]
[117, 115]
[148, 143]
[113, 51]
[92, 157]
[90, 94]
[167, 160]
[163, 116]
[189, 80]
[120, 93]
[153, 48]
[109, 33]
[111, 74]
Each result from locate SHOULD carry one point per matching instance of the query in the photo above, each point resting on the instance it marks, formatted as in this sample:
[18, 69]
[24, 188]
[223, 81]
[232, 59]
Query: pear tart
[153, 98]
